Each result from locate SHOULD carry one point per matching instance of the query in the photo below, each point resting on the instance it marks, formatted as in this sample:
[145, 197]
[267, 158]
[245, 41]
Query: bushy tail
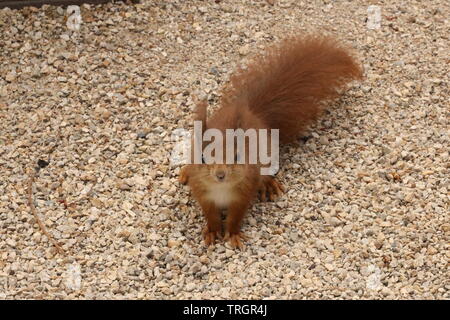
[286, 84]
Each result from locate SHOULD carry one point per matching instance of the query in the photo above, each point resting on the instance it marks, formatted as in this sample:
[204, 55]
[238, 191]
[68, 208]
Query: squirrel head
[215, 167]
[223, 173]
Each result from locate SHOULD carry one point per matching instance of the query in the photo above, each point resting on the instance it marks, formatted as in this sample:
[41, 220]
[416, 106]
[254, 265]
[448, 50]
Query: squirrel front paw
[270, 188]
[235, 239]
[210, 236]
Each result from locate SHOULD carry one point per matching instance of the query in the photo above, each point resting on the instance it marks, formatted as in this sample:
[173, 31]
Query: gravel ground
[366, 212]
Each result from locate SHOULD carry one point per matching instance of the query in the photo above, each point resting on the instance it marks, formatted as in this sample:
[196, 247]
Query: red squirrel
[282, 88]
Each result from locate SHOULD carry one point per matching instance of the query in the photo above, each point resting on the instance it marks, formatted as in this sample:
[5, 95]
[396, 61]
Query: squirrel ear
[200, 111]
[239, 121]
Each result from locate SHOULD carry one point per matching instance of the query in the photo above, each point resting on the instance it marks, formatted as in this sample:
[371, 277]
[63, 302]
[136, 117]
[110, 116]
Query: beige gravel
[366, 213]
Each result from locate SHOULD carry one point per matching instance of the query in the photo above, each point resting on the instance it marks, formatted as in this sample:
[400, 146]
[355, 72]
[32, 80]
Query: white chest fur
[221, 194]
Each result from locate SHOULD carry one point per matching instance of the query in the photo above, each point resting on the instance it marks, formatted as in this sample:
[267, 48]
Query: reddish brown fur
[280, 89]
[285, 85]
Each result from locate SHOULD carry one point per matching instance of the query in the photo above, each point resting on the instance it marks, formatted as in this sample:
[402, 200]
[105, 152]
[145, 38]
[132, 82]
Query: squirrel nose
[220, 175]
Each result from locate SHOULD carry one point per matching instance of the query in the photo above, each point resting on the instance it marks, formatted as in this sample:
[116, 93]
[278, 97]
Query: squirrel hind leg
[270, 189]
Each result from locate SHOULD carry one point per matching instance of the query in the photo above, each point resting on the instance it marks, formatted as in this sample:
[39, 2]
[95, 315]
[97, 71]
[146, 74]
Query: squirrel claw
[235, 240]
[271, 187]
